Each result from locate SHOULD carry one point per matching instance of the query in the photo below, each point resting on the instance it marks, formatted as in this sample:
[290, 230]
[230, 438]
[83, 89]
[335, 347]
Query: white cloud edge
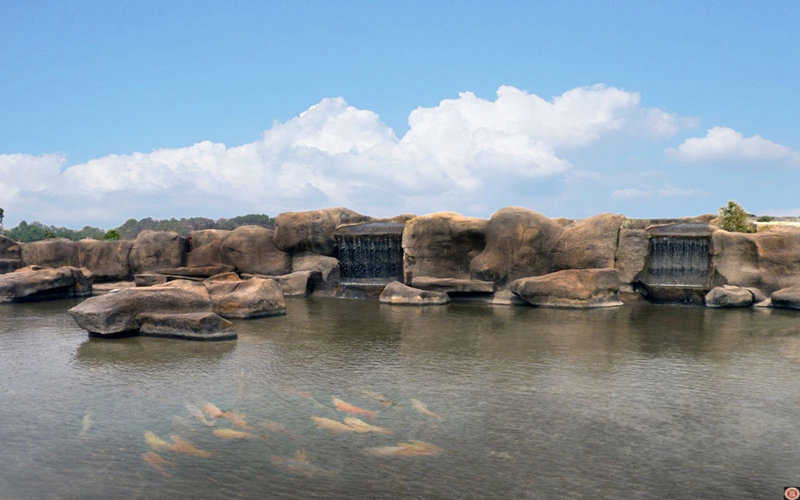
[724, 144]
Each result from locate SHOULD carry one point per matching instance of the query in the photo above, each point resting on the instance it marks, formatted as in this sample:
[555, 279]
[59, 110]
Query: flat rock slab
[121, 311]
[297, 284]
[400, 294]
[453, 285]
[37, 283]
[572, 288]
[197, 271]
[729, 296]
[190, 326]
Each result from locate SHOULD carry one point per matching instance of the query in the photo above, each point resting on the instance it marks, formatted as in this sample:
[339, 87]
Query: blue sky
[112, 110]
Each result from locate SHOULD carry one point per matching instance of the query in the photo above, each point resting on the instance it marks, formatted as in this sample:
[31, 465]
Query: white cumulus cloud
[726, 144]
[453, 155]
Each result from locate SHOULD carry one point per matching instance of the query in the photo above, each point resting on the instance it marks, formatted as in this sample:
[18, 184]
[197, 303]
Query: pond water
[632, 402]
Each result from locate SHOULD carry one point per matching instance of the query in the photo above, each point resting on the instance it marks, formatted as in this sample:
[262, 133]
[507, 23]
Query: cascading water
[676, 260]
[679, 265]
[370, 256]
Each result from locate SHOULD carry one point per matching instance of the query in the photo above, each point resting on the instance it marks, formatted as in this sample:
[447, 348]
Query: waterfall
[678, 260]
[370, 251]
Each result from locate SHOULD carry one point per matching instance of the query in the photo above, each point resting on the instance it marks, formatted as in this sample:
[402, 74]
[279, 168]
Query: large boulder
[188, 326]
[153, 250]
[786, 297]
[588, 243]
[399, 294]
[519, 243]
[170, 312]
[120, 311]
[205, 247]
[631, 256]
[779, 258]
[442, 245]
[56, 252]
[251, 249]
[253, 298]
[570, 288]
[313, 231]
[729, 296]
[107, 260]
[297, 284]
[736, 259]
[453, 286]
[326, 270]
[37, 283]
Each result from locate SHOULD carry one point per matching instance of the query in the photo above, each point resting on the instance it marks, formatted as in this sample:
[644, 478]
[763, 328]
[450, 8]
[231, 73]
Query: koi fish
[87, 423]
[362, 427]
[199, 414]
[213, 411]
[377, 397]
[420, 407]
[237, 420]
[157, 462]
[300, 465]
[332, 425]
[348, 408]
[412, 449]
[234, 434]
[155, 442]
[185, 446]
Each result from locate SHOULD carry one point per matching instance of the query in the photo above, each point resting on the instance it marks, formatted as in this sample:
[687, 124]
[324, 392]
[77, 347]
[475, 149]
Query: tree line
[36, 231]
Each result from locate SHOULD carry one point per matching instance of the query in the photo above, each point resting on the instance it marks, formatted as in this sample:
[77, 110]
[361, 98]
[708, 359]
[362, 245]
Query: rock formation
[571, 288]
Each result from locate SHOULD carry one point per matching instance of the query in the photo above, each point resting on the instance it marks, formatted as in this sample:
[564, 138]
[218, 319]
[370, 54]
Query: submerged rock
[398, 293]
[729, 296]
[571, 288]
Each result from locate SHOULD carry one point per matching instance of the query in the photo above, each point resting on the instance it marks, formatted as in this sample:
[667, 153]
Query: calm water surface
[631, 402]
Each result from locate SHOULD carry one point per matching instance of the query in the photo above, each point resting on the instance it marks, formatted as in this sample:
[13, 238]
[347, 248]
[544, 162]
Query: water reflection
[463, 401]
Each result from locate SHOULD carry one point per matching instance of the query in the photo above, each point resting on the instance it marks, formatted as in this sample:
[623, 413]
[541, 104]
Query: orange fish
[155, 461]
[348, 408]
[185, 446]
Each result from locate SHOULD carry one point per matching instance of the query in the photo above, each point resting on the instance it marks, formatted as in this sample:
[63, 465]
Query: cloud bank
[467, 153]
[726, 144]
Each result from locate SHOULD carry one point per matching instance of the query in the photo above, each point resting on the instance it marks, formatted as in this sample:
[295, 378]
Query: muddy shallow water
[631, 402]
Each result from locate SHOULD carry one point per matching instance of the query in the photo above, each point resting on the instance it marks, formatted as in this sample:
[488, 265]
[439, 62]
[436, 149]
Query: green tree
[112, 234]
[734, 218]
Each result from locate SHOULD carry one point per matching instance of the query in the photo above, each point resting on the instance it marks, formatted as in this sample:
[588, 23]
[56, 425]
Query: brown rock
[251, 249]
[571, 288]
[453, 286]
[9, 249]
[205, 247]
[325, 269]
[298, 284]
[253, 298]
[631, 256]
[442, 245]
[313, 231]
[786, 298]
[188, 326]
[400, 294]
[38, 283]
[107, 260]
[729, 296]
[119, 311]
[154, 250]
[57, 252]
[518, 244]
[588, 243]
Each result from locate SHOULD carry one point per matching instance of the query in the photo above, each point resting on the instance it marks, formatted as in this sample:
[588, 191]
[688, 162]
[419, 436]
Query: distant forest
[36, 231]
